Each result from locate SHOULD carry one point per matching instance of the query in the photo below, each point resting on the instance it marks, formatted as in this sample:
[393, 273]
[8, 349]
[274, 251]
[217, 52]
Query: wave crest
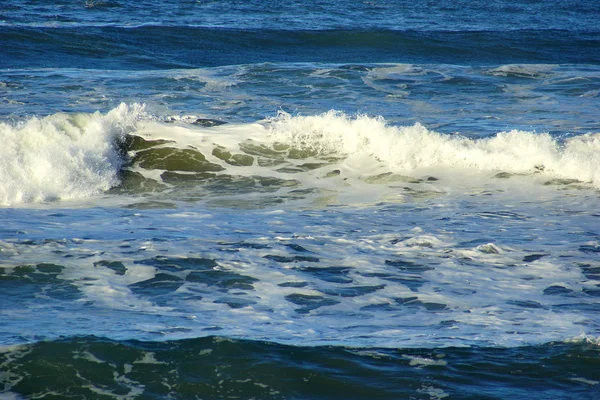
[63, 156]
[406, 148]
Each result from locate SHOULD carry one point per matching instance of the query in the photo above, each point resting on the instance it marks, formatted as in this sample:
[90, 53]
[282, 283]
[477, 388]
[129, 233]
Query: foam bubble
[62, 156]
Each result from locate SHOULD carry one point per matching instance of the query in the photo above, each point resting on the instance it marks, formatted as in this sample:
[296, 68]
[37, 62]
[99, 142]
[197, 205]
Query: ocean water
[299, 200]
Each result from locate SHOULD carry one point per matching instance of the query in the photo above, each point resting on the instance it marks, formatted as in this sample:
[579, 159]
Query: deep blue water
[299, 200]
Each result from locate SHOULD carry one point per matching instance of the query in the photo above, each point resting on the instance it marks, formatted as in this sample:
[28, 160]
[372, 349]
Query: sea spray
[63, 156]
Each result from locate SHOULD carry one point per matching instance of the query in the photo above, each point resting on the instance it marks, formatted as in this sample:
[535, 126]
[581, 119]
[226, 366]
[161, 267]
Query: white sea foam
[407, 148]
[425, 362]
[73, 156]
[379, 280]
[523, 70]
[584, 339]
[62, 156]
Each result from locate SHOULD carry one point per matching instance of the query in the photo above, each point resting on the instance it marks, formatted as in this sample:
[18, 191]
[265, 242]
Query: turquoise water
[299, 200]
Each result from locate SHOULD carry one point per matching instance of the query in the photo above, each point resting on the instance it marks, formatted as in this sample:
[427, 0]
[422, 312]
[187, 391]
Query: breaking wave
[62, 156]
[74, 156]
[406, 148]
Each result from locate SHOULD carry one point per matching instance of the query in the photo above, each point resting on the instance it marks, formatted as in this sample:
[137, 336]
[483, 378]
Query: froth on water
[332, 155]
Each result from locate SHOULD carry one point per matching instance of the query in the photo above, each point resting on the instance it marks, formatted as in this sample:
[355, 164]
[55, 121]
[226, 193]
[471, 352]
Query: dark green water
[216, 368]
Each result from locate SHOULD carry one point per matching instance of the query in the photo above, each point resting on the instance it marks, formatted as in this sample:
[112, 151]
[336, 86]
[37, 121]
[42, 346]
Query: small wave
[527, 71]
[189, 46]
[584, 339]
[62, 156]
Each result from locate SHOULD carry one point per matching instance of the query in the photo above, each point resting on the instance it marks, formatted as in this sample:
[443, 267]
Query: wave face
[63, 156]
[214, 367]
[291, 160]
[74, 156]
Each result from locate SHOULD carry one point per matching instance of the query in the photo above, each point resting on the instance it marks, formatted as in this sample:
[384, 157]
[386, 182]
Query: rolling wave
[215, 367]
[62, 156]
[403, 149]
[74, 156]
[147, 47]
